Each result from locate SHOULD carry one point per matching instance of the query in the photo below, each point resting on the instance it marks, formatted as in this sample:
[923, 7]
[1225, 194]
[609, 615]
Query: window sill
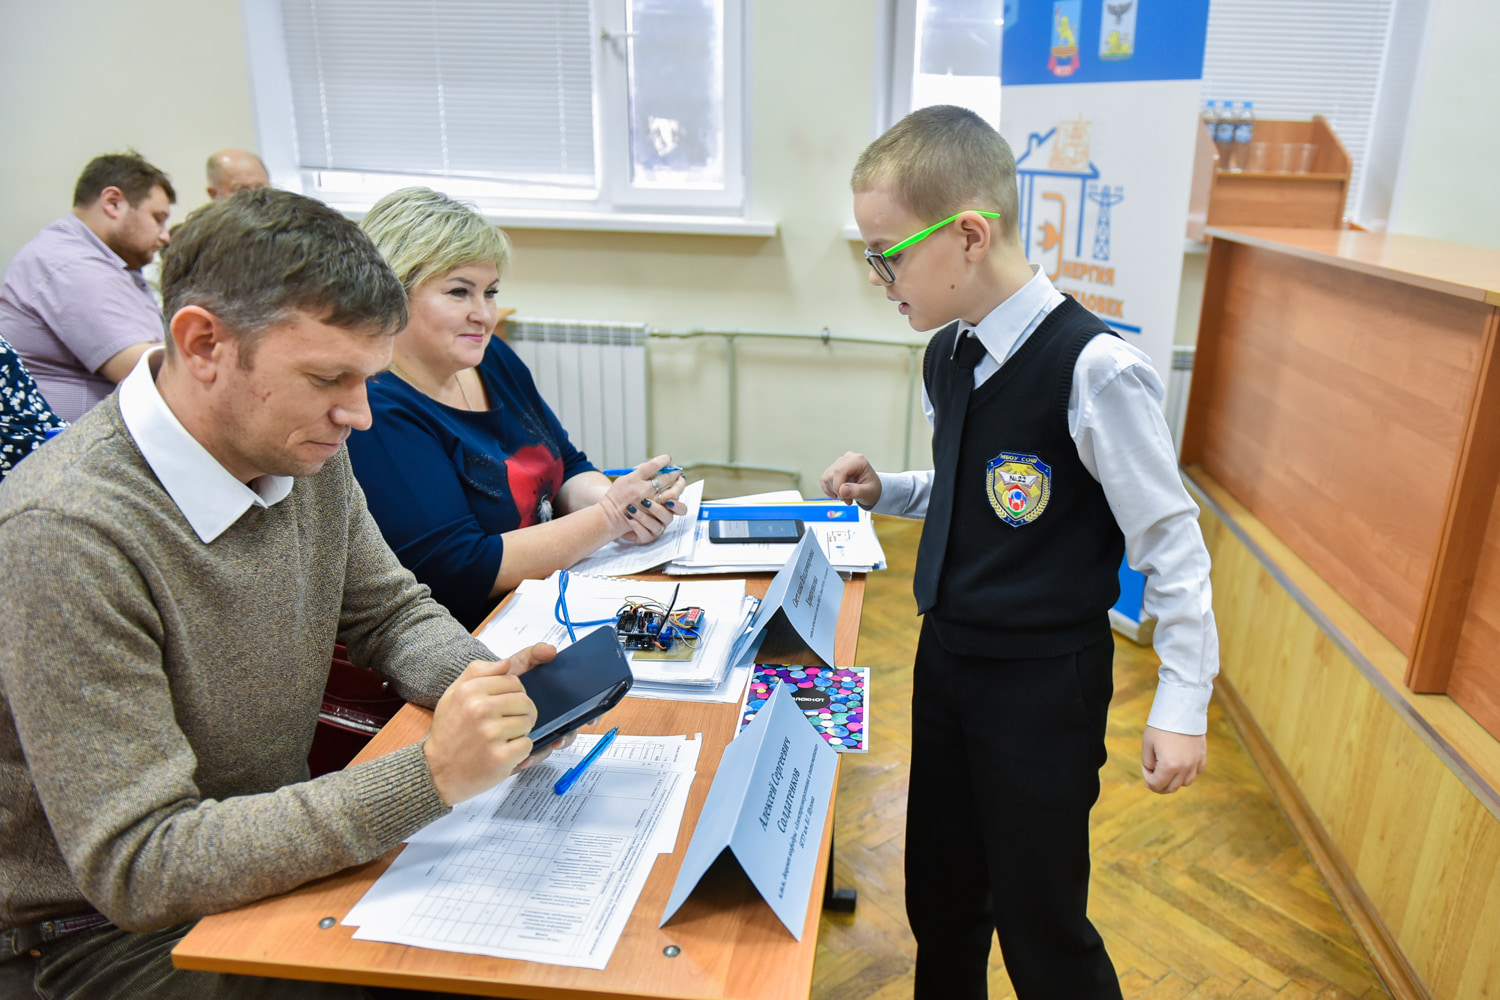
[619, 222]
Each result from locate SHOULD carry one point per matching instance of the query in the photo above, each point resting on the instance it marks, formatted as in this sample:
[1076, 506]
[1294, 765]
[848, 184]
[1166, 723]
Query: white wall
[1447, 185]
[85, 77]
[168, 77]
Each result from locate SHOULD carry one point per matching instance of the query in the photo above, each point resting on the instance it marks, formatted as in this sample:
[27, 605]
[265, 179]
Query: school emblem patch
[1019, 487]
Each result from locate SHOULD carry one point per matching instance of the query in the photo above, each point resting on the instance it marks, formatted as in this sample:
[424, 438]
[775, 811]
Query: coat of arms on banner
[1066, 15]
[1117, 29]
[1019, 487]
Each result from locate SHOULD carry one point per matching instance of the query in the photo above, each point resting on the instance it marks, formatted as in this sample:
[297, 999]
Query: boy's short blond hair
[941, 160]
[424, 234]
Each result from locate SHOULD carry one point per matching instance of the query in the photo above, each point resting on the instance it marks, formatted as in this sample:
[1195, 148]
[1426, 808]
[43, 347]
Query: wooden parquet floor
[1204, 894]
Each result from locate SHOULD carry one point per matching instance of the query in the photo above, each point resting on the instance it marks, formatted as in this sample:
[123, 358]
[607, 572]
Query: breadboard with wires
[651, 630]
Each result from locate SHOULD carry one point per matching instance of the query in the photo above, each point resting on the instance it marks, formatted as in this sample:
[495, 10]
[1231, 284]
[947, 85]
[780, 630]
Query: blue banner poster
[1100, 101]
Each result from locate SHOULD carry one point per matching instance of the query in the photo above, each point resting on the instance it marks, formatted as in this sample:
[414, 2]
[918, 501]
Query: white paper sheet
[530, 617]
[521, 872]
[621, 558]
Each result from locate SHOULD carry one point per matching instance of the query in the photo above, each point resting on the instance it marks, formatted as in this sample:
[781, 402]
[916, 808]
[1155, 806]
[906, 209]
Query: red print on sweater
[534, 474]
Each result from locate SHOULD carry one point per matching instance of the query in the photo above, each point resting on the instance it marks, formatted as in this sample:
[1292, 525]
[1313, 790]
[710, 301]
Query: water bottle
[1244, 132]
[1224, 134]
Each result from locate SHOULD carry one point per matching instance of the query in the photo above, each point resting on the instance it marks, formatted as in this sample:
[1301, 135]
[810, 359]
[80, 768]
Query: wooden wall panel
[1461, 543]
[1333, 405]
[1475, 678]
[1424, 848]
[1278, 200]
[1477, 685]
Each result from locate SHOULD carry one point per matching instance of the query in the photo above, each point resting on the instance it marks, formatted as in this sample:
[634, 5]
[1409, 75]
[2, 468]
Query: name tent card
[799, 615]
[766, 807]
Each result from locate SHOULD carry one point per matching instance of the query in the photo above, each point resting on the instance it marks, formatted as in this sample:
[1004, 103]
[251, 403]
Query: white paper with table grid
[522, 872]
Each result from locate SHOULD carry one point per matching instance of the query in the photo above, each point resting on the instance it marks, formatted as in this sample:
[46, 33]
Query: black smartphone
[586, 680]
[746, 532]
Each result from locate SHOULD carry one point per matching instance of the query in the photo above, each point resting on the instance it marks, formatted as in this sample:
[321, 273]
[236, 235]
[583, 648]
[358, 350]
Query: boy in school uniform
[1052, 460]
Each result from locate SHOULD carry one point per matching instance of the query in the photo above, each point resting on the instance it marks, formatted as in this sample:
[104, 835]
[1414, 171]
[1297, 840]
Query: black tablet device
[586, 680]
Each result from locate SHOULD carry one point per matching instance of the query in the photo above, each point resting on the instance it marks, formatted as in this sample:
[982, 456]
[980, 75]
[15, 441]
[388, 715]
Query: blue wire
[560, 610]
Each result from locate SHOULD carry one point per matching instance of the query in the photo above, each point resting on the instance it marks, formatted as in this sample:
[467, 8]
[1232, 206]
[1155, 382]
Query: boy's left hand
[1170, 761]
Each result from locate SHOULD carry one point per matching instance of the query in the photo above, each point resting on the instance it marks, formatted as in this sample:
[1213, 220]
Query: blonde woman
[469, 474]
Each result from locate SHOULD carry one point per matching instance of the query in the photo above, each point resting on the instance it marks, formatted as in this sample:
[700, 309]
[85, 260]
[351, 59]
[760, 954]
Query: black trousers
[1004, 770]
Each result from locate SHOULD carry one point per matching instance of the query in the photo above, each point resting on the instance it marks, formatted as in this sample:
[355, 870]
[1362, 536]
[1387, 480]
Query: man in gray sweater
[174, 572]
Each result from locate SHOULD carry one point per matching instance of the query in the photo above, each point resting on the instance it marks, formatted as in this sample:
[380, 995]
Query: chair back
[356, 704]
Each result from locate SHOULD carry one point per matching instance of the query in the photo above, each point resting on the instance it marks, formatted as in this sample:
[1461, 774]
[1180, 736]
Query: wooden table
[731, 944]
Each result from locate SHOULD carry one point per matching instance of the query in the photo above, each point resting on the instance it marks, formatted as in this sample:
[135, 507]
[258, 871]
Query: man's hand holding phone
[479, 726]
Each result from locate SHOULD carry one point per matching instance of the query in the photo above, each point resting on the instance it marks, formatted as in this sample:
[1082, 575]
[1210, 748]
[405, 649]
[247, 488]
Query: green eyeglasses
[879, 259]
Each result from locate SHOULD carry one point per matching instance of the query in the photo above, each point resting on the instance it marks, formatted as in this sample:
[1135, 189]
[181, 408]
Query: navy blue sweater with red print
[444, 484]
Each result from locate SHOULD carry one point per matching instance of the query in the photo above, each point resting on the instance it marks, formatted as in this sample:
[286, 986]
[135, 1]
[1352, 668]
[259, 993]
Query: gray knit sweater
[158, 695]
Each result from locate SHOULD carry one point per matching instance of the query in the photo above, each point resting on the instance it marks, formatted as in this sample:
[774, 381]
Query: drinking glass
[1258, 157]
[1297, 157]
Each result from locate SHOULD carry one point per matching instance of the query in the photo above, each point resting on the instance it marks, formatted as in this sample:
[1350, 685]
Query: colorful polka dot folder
[834, 699]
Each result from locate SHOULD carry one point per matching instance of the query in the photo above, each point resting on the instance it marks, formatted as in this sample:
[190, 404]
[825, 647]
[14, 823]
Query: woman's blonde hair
[423, 234]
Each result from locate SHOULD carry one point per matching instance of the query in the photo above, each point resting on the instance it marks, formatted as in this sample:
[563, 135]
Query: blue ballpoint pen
[664, 471]
[574, 773]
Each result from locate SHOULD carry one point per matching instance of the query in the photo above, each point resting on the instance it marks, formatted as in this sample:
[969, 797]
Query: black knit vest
[1033, 554]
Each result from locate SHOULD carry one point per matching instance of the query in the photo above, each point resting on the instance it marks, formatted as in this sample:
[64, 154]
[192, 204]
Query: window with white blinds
[520, 106]
[466, 88]
[1299, 58]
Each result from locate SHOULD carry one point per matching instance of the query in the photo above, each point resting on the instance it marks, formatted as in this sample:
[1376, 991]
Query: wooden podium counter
[1343, 438]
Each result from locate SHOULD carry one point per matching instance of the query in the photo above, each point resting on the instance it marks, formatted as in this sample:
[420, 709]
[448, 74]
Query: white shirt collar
[1004, 327]
[207, 494]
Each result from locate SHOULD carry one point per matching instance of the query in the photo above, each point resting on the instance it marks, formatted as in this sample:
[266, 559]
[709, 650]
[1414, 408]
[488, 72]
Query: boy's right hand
[852, 479]
[479, 726]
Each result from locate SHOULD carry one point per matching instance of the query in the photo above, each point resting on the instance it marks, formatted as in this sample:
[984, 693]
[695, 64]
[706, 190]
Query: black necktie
[948, 433]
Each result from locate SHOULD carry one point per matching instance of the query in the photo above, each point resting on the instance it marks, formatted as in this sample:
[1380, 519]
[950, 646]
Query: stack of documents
[522, 872]
[531, 616]
[684, 549]
[621, 558]
[850, 545]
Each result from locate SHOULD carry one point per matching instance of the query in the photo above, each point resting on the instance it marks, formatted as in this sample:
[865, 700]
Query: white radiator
[593, 375]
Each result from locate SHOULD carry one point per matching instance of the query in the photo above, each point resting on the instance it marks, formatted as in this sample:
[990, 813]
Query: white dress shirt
[210, 498]
[1115, 420]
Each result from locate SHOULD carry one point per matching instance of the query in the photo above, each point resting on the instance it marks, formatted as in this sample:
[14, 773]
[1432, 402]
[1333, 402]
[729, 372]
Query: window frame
[614, 203]
[895, 62]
